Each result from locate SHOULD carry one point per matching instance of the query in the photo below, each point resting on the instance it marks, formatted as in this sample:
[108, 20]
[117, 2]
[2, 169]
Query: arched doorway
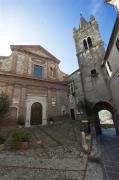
[36, 114]
[103, 108]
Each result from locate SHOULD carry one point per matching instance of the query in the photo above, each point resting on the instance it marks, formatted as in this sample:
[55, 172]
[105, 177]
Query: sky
[50, 23]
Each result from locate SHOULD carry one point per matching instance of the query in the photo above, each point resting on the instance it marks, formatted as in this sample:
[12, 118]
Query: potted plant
[20, 139]
[2, 140]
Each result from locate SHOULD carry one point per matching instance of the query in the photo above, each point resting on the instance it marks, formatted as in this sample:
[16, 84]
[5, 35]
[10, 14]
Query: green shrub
[21, 135]
[18, 136]
[2, 140]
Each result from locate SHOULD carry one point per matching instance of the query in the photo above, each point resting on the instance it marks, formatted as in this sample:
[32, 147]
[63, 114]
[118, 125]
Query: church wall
[5, 63]
[62, 102]
[18, 90]
[57, 100]
[52, 102]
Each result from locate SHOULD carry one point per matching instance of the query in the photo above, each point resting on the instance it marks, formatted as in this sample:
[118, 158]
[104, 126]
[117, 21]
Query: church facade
[36, 87]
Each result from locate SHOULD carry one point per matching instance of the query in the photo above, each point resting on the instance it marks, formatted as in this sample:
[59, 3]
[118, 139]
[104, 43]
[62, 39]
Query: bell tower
[90, 53]
[89, 45]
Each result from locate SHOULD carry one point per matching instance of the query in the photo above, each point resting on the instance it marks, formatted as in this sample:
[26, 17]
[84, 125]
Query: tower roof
[83, 22]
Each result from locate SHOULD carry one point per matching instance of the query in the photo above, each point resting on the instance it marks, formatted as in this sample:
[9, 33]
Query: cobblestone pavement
[110, 153]
[58, 156]
[21, 168]
[94, 171]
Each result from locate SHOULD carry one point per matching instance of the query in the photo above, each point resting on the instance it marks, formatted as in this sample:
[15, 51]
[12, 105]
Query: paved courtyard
[55, 153]
[110, 154]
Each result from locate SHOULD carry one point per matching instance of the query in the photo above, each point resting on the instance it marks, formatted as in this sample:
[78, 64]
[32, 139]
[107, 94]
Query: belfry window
[117, 44]
[85, 44]
[90, 42]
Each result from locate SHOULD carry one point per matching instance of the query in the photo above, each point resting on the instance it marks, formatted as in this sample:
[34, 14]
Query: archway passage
[106, 119]
[36, 114]
[100, 107]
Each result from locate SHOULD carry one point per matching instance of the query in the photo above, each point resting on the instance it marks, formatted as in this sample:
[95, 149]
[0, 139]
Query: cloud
[95, 6]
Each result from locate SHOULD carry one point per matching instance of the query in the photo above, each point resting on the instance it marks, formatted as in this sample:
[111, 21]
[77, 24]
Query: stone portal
[36, 114]
[36, 110]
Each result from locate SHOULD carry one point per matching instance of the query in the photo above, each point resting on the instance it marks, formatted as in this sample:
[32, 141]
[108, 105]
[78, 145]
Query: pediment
[36, 50]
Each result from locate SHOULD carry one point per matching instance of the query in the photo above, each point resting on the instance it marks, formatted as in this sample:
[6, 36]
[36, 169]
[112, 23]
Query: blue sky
[50, 23]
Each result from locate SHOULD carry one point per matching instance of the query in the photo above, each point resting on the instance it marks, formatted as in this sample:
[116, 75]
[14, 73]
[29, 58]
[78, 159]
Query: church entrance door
[36, 114]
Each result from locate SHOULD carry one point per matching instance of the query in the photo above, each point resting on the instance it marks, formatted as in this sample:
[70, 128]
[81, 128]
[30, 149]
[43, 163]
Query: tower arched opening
[89, 42]
[105, 116]
[85, 44]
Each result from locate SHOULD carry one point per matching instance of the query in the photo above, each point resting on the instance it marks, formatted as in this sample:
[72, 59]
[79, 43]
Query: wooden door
[36, 114]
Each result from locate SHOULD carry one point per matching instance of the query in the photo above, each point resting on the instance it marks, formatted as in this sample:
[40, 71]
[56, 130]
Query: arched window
[85, 44]
[90, 42]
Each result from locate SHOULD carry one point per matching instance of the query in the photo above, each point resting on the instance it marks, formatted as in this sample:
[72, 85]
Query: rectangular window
[117, 44]
[38, 71]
